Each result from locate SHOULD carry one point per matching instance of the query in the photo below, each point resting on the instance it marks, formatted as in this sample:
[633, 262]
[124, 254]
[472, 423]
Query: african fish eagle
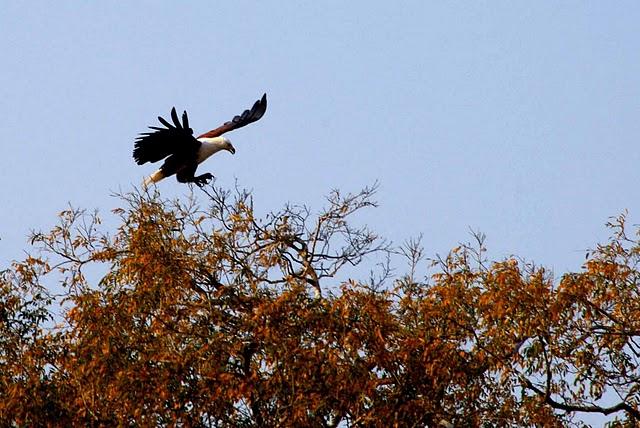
[184, 152]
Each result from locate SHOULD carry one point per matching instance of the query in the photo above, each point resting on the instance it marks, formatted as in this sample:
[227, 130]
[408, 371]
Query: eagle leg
[203, 179]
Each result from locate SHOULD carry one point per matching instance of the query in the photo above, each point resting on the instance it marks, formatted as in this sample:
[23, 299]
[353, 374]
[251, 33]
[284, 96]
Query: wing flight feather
[162, 142]
[248, 116]
[174, 117]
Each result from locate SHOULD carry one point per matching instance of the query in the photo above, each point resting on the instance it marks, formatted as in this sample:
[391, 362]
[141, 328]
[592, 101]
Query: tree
[209, 316]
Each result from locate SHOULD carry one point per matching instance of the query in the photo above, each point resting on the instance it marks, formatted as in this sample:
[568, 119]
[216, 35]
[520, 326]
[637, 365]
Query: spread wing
[162, 142]
[247, 117]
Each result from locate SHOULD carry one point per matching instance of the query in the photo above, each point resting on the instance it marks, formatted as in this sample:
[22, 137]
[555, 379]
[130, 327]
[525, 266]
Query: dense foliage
[204, 315]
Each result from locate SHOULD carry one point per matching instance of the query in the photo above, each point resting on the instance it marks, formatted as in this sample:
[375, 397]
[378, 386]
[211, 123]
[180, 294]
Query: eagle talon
[203, 179]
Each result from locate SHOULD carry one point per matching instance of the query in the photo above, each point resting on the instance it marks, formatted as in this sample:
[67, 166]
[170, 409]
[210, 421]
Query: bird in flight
[183, 151]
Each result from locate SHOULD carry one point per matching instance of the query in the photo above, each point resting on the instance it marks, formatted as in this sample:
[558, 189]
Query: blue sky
[514, 119]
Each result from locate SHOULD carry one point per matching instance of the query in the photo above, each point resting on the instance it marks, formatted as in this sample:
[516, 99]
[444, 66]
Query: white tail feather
[153, 178]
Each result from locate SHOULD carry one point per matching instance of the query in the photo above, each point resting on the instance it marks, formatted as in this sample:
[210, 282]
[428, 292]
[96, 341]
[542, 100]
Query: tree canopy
[194, 312]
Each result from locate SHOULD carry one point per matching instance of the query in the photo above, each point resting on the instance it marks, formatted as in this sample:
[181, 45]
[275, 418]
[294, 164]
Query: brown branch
[581, 408]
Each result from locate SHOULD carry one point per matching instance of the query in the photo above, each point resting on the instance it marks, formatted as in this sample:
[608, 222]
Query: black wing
[162, 142]
[247, 117]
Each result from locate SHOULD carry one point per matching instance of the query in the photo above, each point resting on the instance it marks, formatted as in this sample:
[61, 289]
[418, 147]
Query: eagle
[181, 151]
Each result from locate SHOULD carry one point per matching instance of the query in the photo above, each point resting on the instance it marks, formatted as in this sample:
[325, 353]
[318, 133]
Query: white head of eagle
[181, 151]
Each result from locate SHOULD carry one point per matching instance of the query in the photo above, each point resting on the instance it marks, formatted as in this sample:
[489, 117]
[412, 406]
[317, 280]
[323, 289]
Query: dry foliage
[208, 316]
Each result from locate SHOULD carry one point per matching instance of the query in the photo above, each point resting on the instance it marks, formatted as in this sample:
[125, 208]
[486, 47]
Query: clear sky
[517, 119]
